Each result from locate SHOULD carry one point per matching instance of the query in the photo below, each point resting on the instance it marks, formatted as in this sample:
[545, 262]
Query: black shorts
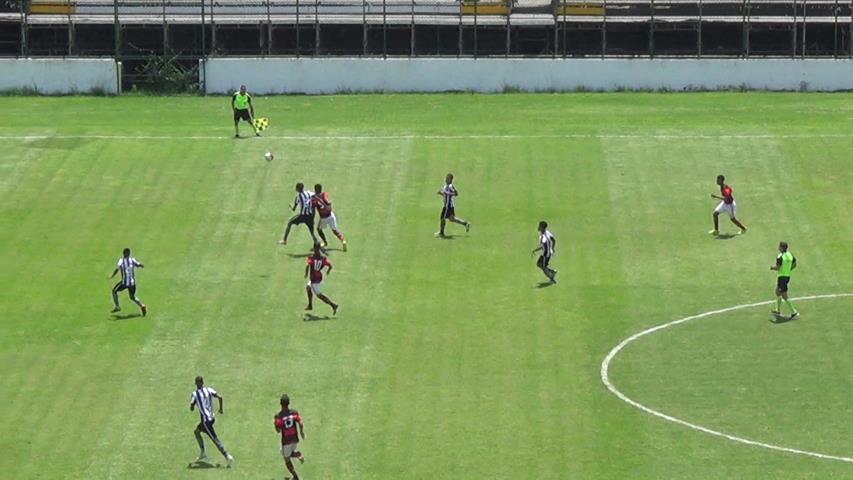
[130, 288]
[782, 283]
[207, 427]
[543, 261]
[242, 115]
[447, 212]
[306, 219]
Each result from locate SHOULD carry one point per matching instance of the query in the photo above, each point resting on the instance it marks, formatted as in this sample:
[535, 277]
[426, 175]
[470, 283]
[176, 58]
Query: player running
[323, 205]
[547, 244]
[305, 215]
[785, 264]
[448, 192]
[241, 105]
[127, 265]
[314, 267]
[286, 422]
[727, 205]
[201, 398]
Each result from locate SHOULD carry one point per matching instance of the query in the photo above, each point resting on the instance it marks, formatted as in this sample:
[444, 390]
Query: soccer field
[448, 358]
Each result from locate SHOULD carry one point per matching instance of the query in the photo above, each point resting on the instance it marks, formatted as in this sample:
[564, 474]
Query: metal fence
[481, 28]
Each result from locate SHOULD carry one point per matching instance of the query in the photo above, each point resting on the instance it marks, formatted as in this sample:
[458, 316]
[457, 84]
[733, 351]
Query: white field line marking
[426, 137]
[605, 365]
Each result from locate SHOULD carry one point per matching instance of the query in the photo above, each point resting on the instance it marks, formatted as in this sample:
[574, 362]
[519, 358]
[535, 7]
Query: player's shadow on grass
[126, 316]
[310, 317]
[543, 285]
[779, 319]
[202, 465]
[724, 236]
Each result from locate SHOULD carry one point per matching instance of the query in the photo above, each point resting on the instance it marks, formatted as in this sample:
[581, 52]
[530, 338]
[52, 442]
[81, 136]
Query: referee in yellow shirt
[241, 105]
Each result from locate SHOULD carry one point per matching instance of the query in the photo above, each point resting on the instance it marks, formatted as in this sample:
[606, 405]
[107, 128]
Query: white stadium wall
[333, 75]
[59, 76]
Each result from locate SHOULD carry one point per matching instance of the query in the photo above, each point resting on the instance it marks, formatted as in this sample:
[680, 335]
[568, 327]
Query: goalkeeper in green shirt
[785, 264]
[241, 105]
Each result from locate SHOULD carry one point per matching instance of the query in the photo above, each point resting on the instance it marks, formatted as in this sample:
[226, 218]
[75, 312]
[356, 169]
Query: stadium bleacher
[431, 27]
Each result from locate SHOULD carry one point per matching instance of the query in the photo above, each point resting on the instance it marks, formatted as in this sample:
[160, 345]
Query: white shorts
[315, 287]
[728, 208]
[330, 221]
[287, 450]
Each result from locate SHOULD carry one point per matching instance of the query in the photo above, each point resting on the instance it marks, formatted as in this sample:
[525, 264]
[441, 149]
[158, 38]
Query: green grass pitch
[447, 360]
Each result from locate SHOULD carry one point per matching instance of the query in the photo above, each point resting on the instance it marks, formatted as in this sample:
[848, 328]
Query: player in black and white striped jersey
[547, 245]
[202, 398]
[127, 265]
[305, 215]
[448, 212]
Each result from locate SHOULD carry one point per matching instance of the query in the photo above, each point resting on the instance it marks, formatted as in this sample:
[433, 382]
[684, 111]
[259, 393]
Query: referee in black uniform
[305, 215]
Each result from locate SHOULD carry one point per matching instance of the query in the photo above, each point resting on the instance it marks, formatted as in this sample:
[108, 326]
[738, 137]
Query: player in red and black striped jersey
[727, 204]
[323, 206]
[289, 424]
[314, 267]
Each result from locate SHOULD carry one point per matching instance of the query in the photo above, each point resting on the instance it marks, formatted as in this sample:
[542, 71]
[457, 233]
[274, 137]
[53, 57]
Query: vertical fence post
[699, 32]
[364, 27]
[850, 32]
[384, 29]
[805, 23]
[412, 32]
[476, 5]
[835, 30]
[298, 45]
[651, 28]
[745, 28]
[269, 29]
[165, 30]
[116, 31]
[212, 28]
[794, 28]
[565, 25]
[203, 32]
[604, 31]
[554, 7]
[459, 42]
[508, 27]
[316, 28]
[24, 26]
[70, 29]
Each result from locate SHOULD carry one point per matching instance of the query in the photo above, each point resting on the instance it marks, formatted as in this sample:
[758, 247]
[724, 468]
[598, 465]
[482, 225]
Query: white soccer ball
[269, 156]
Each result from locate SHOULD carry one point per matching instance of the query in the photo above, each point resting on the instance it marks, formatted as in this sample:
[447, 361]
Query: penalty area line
[605, 378]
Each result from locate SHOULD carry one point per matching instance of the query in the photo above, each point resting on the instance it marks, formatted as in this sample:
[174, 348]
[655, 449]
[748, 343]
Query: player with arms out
[448, 192]
[241, 105]
[314, 268]
[727, 204]
[304, 216]
[201, 398]
[127, 265]
[286, 422]
[547, 244]
[785, 264]
[323, 205]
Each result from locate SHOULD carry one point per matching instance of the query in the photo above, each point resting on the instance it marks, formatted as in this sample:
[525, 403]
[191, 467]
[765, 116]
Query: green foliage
[11, 5]
[165, 74]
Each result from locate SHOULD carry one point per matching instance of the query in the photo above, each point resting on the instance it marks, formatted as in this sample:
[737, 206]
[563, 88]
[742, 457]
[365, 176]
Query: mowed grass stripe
[179, 331]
